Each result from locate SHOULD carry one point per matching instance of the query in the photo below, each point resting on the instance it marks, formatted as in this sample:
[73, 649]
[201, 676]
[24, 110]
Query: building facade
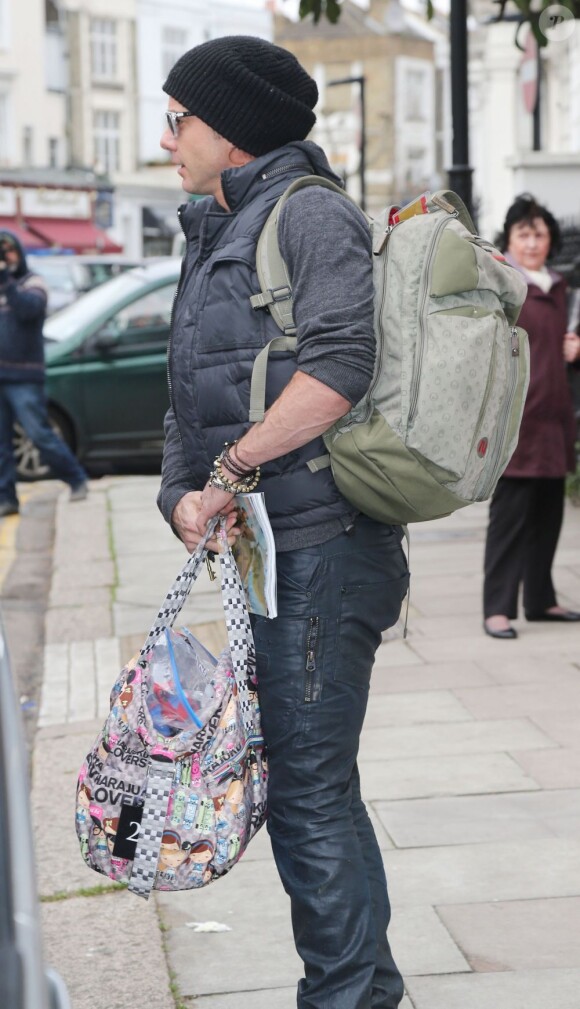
[81, 115]
[404, 64]
[502, 134]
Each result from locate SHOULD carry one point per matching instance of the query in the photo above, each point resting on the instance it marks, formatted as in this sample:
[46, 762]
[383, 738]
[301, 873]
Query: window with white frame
[107, 141]
[103, 48]
[416, 100]
[4, 130]
[173, 45]
[4, 26]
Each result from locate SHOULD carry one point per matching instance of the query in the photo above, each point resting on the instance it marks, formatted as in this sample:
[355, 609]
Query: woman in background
[527, 508]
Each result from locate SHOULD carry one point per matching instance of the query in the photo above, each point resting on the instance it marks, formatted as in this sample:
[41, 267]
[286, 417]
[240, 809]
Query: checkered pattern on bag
[159, 779]
[240, 637]
[176, 597]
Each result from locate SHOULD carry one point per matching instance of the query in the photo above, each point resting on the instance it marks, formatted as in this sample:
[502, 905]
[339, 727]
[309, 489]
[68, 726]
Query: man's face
[9, 253]
[529, 243]
[199, 152]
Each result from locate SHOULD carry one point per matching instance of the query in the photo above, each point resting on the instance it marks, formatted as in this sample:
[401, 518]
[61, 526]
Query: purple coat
[546, 443]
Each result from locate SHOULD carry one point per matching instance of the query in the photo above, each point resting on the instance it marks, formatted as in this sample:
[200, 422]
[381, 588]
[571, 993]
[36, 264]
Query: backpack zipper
[421, 339]
[496, 469]
[381, 341]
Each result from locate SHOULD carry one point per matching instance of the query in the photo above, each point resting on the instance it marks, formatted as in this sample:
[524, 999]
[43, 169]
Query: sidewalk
[470, 761]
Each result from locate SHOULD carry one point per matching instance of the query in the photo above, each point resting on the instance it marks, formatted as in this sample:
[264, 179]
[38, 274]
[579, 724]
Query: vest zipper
[281, 170]
[175, 296]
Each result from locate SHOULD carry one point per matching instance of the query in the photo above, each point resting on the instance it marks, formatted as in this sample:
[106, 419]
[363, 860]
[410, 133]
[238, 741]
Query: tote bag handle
[239, 629]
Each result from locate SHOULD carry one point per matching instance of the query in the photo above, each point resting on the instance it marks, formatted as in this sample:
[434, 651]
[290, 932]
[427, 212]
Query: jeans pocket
[365, 611]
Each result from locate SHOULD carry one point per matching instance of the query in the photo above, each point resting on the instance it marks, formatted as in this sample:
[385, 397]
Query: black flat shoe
[508, 635]
[567, 617]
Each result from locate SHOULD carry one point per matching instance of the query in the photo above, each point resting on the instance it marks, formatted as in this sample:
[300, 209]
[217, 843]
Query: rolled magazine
[255, 555]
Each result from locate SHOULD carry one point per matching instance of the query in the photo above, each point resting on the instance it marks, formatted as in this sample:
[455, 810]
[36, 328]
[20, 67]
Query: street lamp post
[363, 132]
[460, 172]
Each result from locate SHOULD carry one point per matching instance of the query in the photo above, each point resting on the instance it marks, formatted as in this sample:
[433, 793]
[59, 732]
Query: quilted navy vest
[216, 336]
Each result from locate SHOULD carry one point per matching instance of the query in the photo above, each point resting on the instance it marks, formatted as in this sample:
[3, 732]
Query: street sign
[529, 73]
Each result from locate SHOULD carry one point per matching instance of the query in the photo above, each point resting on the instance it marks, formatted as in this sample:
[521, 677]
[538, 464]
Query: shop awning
[79, 236]
[26, 238]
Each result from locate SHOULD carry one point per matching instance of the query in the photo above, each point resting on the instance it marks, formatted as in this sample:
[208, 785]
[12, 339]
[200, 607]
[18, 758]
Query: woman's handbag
[175, 784]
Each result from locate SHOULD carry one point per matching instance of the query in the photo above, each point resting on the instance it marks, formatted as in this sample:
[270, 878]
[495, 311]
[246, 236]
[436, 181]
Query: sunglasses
[174, 118]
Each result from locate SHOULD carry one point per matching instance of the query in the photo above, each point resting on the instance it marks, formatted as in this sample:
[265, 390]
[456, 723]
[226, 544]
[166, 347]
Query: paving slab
[467, 874]
[417, 777]
[414, 709]
[68, 574]
[271, 998]
[516, 935]
[108, 944]
[74, 623]
[432, 605]
[438, 626]
[554, 769]
[540, 989]
[77, 682]
[427, 676]
[211, 963]
[475, 648]
[476, 819]
[524, 699]
[252, 903]
[545, 669]
[561, 726]
[466, 737]
[129, 618]
[422, 945]
[76, 596]
[57, 761]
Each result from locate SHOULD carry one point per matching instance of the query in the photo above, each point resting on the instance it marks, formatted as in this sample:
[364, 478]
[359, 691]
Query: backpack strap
[275, 287]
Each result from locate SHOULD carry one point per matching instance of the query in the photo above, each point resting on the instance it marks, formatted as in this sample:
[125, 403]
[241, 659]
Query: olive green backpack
[441, 418]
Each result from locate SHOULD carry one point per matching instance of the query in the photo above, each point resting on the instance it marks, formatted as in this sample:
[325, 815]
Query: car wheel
[28, 462]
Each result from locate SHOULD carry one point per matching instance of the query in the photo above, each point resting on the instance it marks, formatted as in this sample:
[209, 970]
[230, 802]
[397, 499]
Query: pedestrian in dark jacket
[238, 112]
[527, 508]
[23, 298]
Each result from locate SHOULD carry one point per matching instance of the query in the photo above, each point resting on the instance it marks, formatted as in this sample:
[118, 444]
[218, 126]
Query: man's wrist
[241, 457]
[229, 476]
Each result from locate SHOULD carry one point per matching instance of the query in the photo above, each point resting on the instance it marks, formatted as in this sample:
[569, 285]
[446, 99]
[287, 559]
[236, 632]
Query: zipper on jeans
[311, 690]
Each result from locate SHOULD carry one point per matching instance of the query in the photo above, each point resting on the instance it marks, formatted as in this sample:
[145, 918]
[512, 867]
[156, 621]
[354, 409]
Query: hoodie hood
[22, 268]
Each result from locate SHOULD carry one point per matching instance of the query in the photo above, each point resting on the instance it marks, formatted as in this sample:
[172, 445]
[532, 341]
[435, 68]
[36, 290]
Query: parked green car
[106, 358]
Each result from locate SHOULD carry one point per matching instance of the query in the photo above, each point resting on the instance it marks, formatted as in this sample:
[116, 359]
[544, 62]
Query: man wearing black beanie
[239, 112]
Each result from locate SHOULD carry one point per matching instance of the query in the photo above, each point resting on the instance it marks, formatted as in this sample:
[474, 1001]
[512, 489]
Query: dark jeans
[314, 667]
[525, 518]
[25, 402]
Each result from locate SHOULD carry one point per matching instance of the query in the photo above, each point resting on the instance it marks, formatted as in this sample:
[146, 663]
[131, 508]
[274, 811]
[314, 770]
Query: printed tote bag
[175, 784]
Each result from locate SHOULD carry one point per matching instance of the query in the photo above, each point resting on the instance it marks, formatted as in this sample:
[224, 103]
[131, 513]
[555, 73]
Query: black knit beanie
[253, 93]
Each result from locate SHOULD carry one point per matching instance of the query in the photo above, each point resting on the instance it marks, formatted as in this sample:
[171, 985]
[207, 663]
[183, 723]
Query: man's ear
[238, 157]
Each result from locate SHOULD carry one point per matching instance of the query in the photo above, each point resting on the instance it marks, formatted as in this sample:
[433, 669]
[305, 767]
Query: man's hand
[571, 347]
[195, 509]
